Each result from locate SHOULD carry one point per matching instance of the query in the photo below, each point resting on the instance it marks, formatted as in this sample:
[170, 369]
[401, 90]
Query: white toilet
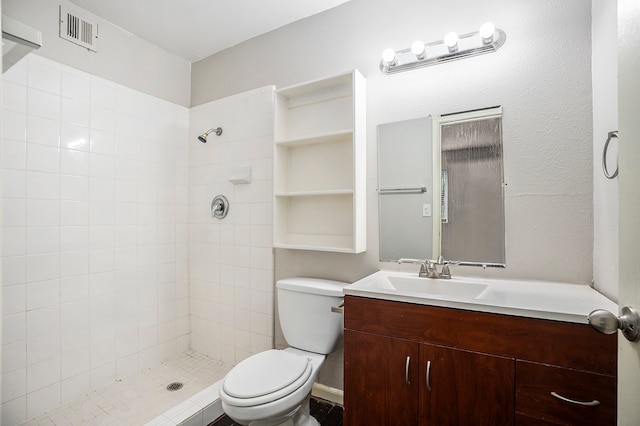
[273, 387]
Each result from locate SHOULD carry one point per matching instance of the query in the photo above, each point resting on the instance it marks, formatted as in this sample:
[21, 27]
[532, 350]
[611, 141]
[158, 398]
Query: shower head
[203, 137]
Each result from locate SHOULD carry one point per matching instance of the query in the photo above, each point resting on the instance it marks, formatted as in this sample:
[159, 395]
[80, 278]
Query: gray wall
[122, 57]
[541, 77]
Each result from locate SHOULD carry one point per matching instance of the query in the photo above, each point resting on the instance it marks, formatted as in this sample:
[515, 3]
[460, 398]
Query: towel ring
[604, 156]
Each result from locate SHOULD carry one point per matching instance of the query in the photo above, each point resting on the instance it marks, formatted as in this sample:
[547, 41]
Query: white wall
[95, 285]
[541, 77]
[231, 259]
[605, 119]
[122, 57]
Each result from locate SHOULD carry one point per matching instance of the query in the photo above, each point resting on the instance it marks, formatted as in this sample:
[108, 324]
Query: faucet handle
[446, 273]
[424, 270]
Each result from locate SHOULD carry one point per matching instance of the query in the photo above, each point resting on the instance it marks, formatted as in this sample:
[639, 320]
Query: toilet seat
[265, 377]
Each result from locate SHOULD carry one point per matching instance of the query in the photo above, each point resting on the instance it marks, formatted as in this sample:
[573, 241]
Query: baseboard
[328, 393]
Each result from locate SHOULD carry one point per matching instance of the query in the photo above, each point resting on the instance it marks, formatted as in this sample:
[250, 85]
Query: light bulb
[417, 48]
[486, 32]
[389, 56]
[451, 41]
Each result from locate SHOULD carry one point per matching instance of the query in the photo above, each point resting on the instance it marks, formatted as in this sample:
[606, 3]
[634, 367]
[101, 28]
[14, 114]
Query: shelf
[319, 165]
[327, 137]
[314, 193]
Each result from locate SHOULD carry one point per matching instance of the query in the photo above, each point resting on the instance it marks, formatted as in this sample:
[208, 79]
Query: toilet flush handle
[339, 308]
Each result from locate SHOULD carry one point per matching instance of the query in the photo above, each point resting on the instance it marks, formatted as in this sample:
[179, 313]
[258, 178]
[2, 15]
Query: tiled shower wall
[95, 234]
[231, 260]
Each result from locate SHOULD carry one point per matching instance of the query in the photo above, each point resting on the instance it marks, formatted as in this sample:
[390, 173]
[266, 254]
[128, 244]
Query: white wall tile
[43, 212]
[14, 328]
[42, 294]
[44, 186]
[43, 374]
[76, 85]
[42, 321]
[74, 288]
[44, 74]
[43, 267]
[14, 355]
[13, 299]
[43, 399]
[75, 363]
[74, 137]
[43, 347]
[43, 239]
[103, 119]
[14, 384]
[74, 187]
[14, 125]
[103, 93]
[13, 270]
[74, 314]
[103, 375]
[103, 142]
[15, 411]
[14, 97]
[74, 162]
[75, 386]
[14, 241]
[14, 211]
[75, 112]
[75, 339]
[74, 263]
[43, 104]
[74, 238]
[14, 154]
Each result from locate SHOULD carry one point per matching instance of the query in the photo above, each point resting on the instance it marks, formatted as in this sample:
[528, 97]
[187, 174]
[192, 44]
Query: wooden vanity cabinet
[383, 379]
[408, 364]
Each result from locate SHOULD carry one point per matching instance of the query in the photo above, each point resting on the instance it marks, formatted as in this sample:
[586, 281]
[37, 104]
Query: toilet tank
[304, 310]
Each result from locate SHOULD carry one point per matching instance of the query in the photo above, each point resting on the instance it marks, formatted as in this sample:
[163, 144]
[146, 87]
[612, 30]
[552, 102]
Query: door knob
[608, 323]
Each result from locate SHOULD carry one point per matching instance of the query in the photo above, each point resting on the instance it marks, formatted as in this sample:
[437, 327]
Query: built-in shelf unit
[319, 165]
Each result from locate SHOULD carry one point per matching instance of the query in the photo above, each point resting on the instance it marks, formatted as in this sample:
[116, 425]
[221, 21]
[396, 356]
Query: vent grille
[78, 30]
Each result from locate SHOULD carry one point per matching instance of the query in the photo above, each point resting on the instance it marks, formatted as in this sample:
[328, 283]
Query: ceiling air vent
[78, 30]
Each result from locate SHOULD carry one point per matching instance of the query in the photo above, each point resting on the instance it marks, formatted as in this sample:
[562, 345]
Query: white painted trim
[328, 393]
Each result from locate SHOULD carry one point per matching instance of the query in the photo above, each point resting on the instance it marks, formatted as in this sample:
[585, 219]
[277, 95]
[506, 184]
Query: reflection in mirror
[472, 209]
[405, 189]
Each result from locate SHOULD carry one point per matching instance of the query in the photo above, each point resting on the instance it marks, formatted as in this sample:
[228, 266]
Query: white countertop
[533, 299]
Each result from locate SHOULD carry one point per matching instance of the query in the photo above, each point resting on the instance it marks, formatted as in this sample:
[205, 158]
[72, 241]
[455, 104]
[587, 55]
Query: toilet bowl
[274, 387]
[269, 388]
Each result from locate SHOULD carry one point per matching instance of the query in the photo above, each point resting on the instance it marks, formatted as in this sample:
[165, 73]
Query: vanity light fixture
[486, 40]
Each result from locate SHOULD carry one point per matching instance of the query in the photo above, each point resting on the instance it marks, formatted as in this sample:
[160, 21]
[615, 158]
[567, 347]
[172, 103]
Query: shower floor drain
[174, 386]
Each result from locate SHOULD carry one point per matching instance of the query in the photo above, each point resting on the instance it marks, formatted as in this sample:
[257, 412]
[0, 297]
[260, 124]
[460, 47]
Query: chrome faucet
[429, 269]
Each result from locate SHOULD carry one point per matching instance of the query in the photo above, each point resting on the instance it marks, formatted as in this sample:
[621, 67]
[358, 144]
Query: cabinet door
[380, 380]
[564, 396]
[465, 388]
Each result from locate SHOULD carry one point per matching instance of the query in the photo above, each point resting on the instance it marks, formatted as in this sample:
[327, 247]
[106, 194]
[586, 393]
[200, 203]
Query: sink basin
[429, 287]
[534, 299]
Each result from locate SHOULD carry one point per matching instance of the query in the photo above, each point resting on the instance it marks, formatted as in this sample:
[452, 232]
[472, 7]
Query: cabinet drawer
[536, 382]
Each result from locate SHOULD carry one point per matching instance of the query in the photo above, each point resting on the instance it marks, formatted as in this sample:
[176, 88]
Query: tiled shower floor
[141, 398]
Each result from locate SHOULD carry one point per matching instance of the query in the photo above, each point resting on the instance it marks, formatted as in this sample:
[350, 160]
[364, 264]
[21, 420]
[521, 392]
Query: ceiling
[195, 29]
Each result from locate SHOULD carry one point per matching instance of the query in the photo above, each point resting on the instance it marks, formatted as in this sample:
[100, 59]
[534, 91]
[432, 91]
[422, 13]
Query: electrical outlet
[426, 210]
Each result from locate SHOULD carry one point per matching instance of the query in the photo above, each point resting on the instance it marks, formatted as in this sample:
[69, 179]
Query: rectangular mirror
[461, 216]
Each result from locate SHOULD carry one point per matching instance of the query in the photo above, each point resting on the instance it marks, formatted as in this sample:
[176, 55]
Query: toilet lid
[266, 373]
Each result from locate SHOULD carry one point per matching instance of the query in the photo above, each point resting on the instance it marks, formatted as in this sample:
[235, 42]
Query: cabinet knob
[608, 323]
